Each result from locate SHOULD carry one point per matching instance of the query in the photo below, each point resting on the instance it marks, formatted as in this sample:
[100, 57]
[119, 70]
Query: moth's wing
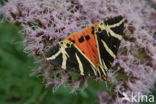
[109, 35]
[52, 51]
[73, 61]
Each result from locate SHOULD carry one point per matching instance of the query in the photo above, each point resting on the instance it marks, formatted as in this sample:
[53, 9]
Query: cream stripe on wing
[118, 36]
[102, 68]
[108, 49]
[64, 61]
[108, 30]
[54, 56]
[117, 24]
[104, 65]
[64, 56]
[94, 70]
[80, 65]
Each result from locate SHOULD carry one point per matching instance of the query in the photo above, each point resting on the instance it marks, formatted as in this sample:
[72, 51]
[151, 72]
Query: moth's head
[65, 44]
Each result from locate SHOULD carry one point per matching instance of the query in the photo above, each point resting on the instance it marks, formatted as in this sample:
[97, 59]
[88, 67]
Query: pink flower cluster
[47, 22]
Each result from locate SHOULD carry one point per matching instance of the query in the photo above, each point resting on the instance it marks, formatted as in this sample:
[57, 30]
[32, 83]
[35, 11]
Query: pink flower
[47, 22]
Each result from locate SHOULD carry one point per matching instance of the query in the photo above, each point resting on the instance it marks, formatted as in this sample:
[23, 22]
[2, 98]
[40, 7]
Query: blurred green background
[18, 87]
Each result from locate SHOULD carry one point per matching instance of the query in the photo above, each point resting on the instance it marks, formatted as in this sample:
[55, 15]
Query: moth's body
[90, 51]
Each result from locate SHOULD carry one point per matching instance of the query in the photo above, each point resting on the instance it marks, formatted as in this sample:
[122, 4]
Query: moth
[91, 51]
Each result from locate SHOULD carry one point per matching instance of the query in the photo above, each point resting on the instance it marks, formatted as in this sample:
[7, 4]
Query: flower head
[47, 22]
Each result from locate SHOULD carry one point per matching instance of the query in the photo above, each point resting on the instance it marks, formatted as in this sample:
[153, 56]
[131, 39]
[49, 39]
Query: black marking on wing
[58, 60]
[81, 39]
[93, 30]
[114, 20]
[111, 41]
[118, 29]
[87, 37]
[52, 51]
